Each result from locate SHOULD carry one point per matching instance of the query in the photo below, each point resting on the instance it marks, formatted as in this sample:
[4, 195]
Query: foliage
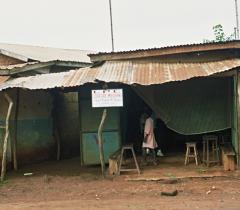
[219, 34]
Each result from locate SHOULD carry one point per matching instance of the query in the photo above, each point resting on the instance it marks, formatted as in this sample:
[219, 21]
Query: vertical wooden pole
[238, 116]
[5, 142]
[100, 142]
[55, 125]
[57, 136]
[14, 146]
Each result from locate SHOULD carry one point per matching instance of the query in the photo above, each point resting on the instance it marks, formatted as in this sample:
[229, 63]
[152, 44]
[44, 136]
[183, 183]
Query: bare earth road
[65, 185]
[54, 192]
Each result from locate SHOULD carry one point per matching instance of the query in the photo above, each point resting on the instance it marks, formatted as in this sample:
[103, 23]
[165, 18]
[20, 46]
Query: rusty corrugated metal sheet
[166, 50]
[149, 73]
[3, 79]
[127, 72]
[80, 77]
[167, 47]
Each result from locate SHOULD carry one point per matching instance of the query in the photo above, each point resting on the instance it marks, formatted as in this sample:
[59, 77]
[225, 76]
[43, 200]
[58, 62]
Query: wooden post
[5, 142]
[14, 146]
[57, 137]
[238, 116]
[55, 125]
[100, 142]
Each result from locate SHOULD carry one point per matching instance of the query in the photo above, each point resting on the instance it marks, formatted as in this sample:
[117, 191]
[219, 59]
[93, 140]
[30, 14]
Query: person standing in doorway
[142, 121]
[149, 141]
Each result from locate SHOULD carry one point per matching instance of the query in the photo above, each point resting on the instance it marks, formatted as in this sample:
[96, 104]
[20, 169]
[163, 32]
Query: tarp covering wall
[191, 107]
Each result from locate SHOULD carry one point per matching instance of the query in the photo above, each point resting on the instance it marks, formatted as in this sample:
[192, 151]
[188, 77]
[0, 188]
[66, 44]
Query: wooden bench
[114, 160]
[228, 158]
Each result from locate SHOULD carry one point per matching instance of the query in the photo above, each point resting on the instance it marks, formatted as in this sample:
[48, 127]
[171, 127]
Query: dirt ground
[65, 185]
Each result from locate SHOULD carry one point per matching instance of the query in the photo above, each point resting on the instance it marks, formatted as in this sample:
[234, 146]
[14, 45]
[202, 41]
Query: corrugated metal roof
[167, 50]
[149, 73]
[10, 67]
[127, 72]
[42, 81]
[167, 47]
[3, 79]
[45, 54]
[80, 77]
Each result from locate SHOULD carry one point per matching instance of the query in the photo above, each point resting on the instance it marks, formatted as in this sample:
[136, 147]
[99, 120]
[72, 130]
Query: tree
[219, 34]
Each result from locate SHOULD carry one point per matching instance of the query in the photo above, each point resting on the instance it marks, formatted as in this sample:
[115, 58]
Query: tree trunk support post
[100, 142]
[5, 142]
[238, 117]
[14, 143]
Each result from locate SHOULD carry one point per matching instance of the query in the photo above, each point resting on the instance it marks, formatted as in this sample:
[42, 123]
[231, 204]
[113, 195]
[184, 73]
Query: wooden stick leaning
[5, 142]
[100, 142]
[14, 143]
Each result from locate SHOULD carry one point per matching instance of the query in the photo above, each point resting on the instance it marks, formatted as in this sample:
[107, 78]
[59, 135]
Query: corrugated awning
[127, 72]
[150, 73]
[43, 81]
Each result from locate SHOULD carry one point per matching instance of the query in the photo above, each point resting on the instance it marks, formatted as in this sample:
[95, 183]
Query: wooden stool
[210, 150]
[128, 147]
[189, 154]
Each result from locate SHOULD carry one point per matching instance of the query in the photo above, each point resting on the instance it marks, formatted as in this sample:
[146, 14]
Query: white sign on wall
[107, 98]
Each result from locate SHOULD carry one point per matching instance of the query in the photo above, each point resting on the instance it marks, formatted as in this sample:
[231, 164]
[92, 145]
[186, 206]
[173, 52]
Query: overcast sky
[85, 24]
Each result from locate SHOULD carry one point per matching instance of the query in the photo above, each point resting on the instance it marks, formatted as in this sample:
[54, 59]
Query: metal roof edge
[74, 64]
[27, 67]
[151, 52]
[14, 55]
[140, 74]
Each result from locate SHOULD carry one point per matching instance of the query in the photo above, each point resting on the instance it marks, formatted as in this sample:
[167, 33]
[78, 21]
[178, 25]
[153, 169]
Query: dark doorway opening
[169, 141]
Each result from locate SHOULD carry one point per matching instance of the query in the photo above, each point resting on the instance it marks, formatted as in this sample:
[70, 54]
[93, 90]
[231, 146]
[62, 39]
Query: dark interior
[168, 140]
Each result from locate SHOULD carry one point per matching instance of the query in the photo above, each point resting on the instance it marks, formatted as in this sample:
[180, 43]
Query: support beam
[72, 64]
[238, 116]
[14, 143]
[100, 142]
[5, 142]
[56, 132]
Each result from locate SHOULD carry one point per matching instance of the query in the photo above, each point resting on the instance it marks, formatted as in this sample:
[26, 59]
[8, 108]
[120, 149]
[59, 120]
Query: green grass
[201, 170]
[170, 175]
[3, 183]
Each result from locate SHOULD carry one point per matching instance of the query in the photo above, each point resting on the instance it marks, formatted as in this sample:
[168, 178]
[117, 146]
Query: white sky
[85, 24]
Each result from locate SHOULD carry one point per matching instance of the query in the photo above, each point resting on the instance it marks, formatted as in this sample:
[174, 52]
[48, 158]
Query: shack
[193, 90]
[31, 121]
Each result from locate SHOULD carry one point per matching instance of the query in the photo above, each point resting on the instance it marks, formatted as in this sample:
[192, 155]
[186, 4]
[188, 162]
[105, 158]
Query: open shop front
[187, 111]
